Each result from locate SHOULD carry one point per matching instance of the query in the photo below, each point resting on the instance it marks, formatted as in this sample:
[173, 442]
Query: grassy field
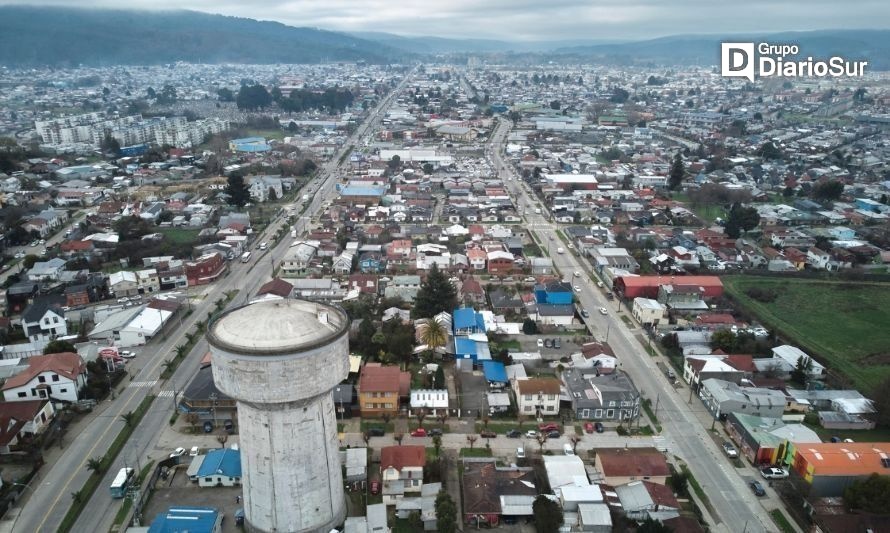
[180, 235]
[844, 324]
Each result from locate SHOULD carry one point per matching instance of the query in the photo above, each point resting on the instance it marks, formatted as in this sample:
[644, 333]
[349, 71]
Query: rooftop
[278, 327]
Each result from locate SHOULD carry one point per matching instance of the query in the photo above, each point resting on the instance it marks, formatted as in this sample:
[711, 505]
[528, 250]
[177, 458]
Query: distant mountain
[42, 35]
[442, 45]
[870, 45]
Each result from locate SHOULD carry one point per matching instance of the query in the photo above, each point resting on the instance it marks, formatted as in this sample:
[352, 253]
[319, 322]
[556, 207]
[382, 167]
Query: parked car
[208, 426]
[375, 487]
[434, 432]
[549, 426]
[772, 472]
[375, 432]
[513, 434]
[178, 452]
[730, 450]
[553, 434]
[194, 451]
[229, 426]
[588, 427]
[531, 434]
[585, 314]
[419, 432]
[557, 344]
[488, 434]
[757, 488]
[548, 343]
[598, 426]
[540, 343]
[577, 288]
[127, 354]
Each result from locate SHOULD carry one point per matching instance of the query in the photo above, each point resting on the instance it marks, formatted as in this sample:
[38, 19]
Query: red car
[588, 427]
[488, 434]
[551, 426]
[375, 487]
[419, 432]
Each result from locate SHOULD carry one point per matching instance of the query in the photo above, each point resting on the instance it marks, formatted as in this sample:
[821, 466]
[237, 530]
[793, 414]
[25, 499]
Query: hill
[57, 36]
[870, 45]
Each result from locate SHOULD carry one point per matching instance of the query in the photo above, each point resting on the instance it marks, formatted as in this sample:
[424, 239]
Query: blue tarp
[494, 371]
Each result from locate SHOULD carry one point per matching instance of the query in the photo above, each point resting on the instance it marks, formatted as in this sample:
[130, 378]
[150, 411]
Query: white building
[56, 377]
[537, 397]
[647, 311]
[433, 400]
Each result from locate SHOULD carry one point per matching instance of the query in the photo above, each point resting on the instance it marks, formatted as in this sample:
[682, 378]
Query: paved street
[684, 434]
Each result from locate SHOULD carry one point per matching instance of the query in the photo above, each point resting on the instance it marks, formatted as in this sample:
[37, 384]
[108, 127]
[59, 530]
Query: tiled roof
[67, 364]
[636, 462]
[399, 457]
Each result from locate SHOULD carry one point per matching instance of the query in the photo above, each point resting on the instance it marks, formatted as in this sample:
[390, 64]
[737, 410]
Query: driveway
[473, 389]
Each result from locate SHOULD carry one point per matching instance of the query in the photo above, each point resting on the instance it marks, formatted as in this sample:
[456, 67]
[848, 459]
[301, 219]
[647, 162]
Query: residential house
[342, 264]
[431, 402]
[44, 320]
[620, 466]
[401, 470]
[697, 368]
[58, 377]
[607, 397]
[276, 289]
[648, 312]
[405, 287]
[47, 270]
[788, 356]
[296, 259]
[147, 281]
[380, 389]
[364, 283]
[724, 397]
[123, 283]
[266, 188]
[500, 262]
[424, 505]
[538, 397]
[764, 440]
[371, 263]
[640, 498]
[21, 421]
[491, 492]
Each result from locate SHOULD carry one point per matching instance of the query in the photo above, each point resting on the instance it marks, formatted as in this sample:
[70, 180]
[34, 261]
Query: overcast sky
[537, 20]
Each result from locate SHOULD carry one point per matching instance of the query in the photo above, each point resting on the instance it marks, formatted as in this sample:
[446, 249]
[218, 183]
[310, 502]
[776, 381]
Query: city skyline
[526, 21]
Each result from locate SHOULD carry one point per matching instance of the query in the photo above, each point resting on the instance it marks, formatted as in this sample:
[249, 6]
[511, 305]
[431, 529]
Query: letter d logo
[737, 60]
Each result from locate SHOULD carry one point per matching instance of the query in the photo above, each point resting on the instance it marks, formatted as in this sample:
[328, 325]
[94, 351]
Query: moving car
[585, 314]
[772, 472]
[730, 450]
[419, 432]
[513, 434]
[553, 434]
[127, 354]
[577, 288]
[757, 488]
[604, 311]
[433, 432]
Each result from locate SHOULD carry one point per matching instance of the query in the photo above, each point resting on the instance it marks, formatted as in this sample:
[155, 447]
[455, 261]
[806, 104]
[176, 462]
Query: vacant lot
[844, 324]
[180, 235]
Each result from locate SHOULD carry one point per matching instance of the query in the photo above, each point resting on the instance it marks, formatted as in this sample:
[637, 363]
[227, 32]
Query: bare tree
[222, 438]
[192, 419]
[366, 437]
[398, 438]
[542, 438]
[575, 439]
[420, 414]
[471, 440]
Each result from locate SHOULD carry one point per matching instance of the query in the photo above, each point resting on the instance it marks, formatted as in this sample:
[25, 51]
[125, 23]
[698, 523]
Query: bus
[245, 257]
[121, 482]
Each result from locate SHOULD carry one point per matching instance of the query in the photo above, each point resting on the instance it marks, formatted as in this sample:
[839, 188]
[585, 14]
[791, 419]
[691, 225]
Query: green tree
[428, 168]
[871, 494]
[225, 95]
[679, 482]
[548, 515]
[111, 145]
[515, 116]
[555, 105]
[436, 294]
[58, 346]
[440, 377]
[446, 513]
[675, 178]
[881, 398]
[740, 220]
[394, 163]
[253, 97]
[129, 418]
[29, 261]
[828, 190]
[237, 191]
[768, 150]
[801, 370]
[529, 326]
[723, 339]
[437, 444]
[433, 334]
[652, 526]
[364, 339]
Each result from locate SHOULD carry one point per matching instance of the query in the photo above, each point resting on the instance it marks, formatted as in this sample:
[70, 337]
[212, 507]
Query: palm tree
[433, 334]
[94, 465]
[129, 418]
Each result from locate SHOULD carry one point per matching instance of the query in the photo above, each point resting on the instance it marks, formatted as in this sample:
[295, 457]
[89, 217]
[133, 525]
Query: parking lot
[177, 490]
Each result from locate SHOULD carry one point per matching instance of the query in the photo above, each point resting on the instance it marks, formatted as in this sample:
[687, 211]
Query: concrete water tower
[280, 360]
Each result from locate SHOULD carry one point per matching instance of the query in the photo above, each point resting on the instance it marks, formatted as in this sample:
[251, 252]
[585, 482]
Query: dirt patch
[876, 359]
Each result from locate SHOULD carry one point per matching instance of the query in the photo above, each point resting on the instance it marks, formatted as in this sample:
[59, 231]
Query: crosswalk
[142, 384]
[166, 393]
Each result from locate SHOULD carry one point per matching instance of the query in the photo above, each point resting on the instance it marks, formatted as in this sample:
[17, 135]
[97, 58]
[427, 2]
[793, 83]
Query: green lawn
[179, 235]
[709, 212]
[843, 324]
[475, 452]
[780, 520]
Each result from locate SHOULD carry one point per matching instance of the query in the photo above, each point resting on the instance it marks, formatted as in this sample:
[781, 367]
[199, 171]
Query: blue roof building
[187, 520]
[494, 371]
[360, 190]
[555, 292]
[220, 467]
[249, 144]
[467, 321]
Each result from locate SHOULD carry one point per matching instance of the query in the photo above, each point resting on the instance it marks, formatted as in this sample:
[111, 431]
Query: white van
[567, 449]
[520, 453]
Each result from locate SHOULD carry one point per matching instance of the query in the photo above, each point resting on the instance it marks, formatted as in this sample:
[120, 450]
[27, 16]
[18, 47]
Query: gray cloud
[532, 20]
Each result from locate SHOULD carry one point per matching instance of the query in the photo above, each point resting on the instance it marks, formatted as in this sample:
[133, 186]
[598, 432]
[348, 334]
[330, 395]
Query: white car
[604, 311]
[127, 354]
[178, 452]
[193, 452]
[540, 343]
[772, 472]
